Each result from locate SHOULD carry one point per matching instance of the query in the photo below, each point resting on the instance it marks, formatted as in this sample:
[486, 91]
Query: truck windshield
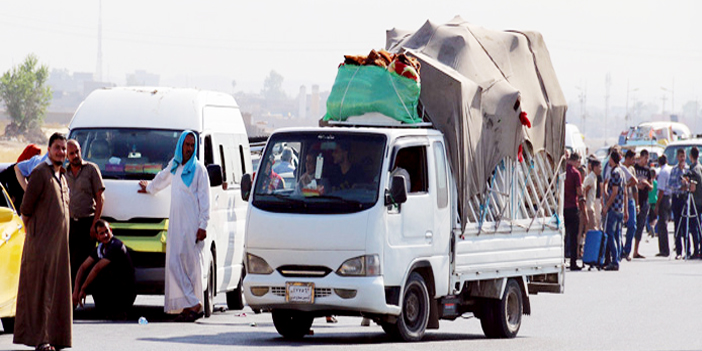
[319, 172]
[127, 153]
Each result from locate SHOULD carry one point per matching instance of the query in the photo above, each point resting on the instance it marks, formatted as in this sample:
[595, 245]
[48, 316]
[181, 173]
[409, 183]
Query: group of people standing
[628, 194]
[61, 264]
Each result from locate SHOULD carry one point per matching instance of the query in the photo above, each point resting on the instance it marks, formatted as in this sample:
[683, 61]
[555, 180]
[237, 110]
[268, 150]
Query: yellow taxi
[11, 245]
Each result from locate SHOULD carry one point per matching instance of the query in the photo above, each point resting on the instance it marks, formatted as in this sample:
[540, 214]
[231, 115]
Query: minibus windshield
[319, 172]
[123, 153]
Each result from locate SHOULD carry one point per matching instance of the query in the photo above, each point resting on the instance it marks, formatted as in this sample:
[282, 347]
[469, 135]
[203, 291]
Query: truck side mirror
[398, 191]
[214, 172]
[245, 187]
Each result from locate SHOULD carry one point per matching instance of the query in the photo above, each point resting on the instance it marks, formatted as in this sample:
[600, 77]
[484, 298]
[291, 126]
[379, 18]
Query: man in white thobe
[189, 214]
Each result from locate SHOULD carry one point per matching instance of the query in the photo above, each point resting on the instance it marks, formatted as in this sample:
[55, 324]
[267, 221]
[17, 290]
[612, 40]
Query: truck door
[442, 212]
[417, 215]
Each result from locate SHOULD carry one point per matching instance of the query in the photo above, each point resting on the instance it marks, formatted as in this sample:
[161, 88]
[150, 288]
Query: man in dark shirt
[613, 211]
[346, 175]
[572, 205]
[696, 189]
[111, 275]
[644, 186]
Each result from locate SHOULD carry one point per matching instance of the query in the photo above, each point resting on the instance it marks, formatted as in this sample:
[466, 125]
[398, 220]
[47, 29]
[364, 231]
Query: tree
[26, 97]
[273, 87]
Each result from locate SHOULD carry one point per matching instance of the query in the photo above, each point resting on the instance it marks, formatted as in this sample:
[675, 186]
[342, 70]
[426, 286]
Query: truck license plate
[296, 292]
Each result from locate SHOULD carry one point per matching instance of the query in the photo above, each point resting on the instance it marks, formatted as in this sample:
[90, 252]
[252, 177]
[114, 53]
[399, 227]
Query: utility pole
[626, 113]
[672, 98]
[696, 108]
[608, 84]
[582, 97]
[98, 69]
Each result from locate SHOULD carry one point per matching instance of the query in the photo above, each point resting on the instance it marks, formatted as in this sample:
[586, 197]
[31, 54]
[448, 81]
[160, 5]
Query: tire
[8, 325]
[412, 321]
[209, 292]
[390, 330]
[235, 300]
[503, 318]
[487, 322]
[292, 324]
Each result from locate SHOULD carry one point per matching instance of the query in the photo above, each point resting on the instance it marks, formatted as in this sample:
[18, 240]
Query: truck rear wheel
[502, 318]
[209, 292]
[292, 324]
[412, 322]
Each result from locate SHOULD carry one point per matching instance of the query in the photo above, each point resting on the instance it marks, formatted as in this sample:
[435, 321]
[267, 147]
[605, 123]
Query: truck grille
[318, 292]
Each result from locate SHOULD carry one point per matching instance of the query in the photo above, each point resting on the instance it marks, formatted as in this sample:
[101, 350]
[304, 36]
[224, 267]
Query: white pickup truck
[377, 244]
[411, 224]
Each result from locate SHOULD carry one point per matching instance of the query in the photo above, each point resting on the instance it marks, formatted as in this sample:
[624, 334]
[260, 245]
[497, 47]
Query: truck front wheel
[412, 322]
[292, 324]
[502, 318]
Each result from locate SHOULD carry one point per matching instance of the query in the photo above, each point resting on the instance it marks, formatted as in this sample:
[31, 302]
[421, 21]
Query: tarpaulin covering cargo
[475, 84]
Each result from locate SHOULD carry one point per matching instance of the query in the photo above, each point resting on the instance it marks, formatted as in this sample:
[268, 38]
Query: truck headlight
[362, 266]
[257, 265]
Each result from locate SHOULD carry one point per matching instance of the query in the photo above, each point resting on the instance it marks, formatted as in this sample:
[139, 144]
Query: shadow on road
[151, 313]
[268, 339]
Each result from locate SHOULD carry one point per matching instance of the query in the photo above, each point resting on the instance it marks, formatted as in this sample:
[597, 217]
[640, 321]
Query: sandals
[44, 347]
[188, 317]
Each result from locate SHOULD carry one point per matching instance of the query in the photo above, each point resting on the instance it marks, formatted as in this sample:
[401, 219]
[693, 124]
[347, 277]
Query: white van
[131, 134]
[575, 141]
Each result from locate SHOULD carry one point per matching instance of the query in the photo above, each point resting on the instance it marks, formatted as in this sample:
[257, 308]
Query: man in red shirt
[573, 203]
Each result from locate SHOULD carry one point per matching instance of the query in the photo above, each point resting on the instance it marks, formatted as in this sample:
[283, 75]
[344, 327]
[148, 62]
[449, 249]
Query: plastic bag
[362, 89]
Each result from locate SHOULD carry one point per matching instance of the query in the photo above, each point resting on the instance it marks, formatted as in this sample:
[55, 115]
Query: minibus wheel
[209, 292]
[8, 325]
[292, 324]
[235, 300]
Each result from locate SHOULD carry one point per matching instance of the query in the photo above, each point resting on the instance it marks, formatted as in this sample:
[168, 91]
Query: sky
[649, 48]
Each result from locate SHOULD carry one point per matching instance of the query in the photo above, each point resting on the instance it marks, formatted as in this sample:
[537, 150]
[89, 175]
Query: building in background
[302, 103]
[141, 78]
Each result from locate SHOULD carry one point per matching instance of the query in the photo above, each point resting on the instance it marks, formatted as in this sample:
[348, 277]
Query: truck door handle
[428, 236]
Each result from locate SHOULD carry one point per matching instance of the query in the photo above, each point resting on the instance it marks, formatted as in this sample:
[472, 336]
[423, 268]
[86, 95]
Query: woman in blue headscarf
[190, 212]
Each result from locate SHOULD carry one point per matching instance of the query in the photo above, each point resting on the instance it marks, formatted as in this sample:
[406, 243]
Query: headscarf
[29, 151]
[189, 167]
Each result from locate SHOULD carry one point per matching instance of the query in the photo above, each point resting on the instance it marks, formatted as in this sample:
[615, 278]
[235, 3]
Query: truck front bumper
[361, 294]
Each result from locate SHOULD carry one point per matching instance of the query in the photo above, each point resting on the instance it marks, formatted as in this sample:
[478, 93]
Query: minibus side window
[223, 163]
[209, 157]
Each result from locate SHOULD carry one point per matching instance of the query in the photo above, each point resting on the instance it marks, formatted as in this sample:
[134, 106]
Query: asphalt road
[651, 304]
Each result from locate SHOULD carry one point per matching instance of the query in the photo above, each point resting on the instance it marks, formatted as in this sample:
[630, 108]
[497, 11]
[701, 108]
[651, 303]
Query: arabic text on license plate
[299, 292]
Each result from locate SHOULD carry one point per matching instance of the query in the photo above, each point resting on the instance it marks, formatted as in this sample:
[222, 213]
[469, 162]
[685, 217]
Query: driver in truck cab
[344, 174]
